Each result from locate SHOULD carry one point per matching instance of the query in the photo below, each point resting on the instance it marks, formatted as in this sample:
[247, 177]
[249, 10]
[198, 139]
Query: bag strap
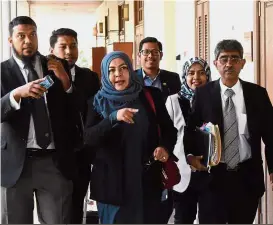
[152, 104]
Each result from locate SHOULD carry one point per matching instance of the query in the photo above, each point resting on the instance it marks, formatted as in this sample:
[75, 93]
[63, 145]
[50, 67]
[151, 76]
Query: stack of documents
[209, 143]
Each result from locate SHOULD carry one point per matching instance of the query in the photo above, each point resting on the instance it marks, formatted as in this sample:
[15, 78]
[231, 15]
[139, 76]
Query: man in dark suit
[64, 44]
[36, 132]
[150, 54]
[243, 112]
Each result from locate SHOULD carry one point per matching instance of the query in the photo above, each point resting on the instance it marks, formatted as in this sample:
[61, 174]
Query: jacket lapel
[164, 83]
[44, 65]
[250, 107]
[140, 75]
[217, 105]
[77, 76]
[18, 76]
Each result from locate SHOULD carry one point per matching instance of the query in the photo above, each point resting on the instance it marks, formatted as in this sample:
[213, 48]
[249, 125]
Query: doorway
[263, 55]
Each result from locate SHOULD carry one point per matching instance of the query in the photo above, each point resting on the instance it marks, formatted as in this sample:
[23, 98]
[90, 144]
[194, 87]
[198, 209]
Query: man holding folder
[244, 114]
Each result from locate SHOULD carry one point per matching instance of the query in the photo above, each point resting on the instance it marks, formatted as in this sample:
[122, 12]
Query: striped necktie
[231, 137]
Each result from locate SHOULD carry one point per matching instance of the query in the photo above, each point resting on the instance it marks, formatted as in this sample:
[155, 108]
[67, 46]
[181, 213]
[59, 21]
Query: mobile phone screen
[47, 83]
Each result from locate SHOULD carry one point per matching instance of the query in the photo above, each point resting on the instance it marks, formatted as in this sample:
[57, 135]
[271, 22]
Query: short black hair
[20, 20]
[228, 45]
[150, 39]
[61, 32]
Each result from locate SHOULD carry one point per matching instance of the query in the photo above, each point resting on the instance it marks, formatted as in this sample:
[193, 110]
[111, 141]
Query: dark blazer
[15, 124]
[170, 82]
[185, 106]
[87, 83]
[107, 142]
[207, 107]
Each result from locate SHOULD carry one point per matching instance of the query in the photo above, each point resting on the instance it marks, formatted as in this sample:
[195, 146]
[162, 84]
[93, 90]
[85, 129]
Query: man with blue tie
[150, 55]
[243, 112]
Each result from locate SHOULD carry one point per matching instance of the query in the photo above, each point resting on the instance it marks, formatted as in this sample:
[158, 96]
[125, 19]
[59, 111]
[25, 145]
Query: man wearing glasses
[244, 114]
[150, 54]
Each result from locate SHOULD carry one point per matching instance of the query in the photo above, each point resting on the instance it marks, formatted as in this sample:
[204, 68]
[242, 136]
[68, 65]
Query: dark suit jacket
[15, 124]
[185, 106]
[108, 142]
[87, 83]
[170, 82]
[207, 107]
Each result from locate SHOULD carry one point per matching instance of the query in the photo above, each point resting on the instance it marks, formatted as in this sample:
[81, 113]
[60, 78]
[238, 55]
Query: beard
[24, 58]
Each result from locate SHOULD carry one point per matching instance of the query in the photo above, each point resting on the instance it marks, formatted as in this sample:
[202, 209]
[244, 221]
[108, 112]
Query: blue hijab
[108, 99]
[186, 91]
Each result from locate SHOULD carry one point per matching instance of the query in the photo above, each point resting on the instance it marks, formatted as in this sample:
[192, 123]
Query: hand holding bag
[170, 172]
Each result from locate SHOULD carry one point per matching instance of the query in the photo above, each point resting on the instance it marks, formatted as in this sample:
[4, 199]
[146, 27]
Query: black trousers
[231, 196]
[185, 203]
[235, 202]
[80, 186]
[225, 198]
[166, 208]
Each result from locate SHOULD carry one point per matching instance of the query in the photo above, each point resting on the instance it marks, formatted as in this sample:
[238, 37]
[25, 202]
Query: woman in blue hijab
[122, 134]
[186, 194]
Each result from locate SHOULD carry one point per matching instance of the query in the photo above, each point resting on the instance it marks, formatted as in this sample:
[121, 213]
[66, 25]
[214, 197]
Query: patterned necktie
[39, 114]
[231, 138]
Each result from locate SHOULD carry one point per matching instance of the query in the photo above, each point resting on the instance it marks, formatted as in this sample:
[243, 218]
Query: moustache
[230, 70]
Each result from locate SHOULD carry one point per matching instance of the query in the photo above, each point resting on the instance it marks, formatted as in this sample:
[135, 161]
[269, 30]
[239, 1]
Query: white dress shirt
[239, 103]
[176, 115]
[31, 142]
[73, 73]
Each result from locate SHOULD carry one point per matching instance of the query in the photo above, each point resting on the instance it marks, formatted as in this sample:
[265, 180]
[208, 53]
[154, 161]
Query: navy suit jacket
[170, 82]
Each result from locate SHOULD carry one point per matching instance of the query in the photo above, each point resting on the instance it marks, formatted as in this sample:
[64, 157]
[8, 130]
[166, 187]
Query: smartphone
[47, 83]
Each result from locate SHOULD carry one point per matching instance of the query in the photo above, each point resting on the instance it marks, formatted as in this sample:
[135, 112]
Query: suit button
[47, 134]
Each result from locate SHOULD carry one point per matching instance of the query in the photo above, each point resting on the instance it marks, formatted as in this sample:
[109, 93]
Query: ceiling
[68, 5]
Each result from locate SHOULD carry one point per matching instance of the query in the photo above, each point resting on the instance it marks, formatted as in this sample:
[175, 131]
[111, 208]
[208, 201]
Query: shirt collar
[146, 76]
[20, 62]
[236, 88]
[73, 73]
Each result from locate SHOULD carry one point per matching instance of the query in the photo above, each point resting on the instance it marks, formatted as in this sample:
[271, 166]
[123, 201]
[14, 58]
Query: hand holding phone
[47, 83]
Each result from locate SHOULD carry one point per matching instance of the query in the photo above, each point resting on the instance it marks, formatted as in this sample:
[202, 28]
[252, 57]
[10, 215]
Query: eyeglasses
[147, 52]
[233, 60]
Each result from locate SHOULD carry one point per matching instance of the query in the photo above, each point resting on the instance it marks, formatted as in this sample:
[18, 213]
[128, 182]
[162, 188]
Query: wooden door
[139, 29]
[264, 76]
[97, 55]
[202, 29]
[126, 47]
